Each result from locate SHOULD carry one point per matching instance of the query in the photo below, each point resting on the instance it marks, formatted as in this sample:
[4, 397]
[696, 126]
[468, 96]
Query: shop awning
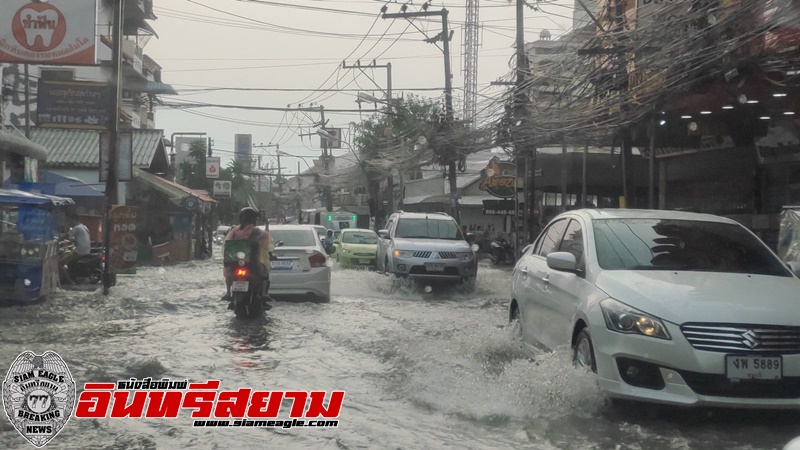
[26, 198]
[11, 143]
[171, 189]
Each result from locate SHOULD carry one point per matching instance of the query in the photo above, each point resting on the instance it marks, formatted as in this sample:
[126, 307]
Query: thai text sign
[73, 104]
[499, 178]
[123, 244]
[53, 32]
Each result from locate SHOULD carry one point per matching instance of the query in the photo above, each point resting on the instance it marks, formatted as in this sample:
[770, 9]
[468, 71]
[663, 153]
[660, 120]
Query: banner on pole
[123, 245]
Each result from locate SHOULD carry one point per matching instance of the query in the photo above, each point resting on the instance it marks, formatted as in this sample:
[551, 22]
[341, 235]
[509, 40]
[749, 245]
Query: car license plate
[364, 261]
[281, 265]
[240, 286]
[754, 367]
[434, 267]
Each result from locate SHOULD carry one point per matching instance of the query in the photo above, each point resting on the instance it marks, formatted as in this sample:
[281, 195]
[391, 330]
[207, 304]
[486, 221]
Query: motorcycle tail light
[241, 272]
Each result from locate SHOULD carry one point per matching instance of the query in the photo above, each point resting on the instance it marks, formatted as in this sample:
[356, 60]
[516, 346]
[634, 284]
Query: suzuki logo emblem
[750, 339]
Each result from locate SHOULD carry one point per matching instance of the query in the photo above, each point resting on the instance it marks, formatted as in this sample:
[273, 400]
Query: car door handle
[546, 280]
[524, 272]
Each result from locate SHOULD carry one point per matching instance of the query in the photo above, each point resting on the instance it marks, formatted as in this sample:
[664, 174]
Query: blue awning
[13, 196]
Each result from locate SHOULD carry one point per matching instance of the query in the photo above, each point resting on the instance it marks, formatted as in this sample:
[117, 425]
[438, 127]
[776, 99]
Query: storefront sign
[123, 248]
[53, 32]
[222, 189]
[499, 178]
[212, 167]
[72, 104]
[498, 207]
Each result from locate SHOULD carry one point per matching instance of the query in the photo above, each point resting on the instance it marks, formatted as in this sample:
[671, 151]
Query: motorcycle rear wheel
[249, 307]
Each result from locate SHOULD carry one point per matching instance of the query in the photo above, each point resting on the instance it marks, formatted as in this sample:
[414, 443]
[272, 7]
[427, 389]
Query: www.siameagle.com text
[292, 423]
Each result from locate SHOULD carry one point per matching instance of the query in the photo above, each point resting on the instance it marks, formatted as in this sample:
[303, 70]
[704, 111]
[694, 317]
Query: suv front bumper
[435, 269]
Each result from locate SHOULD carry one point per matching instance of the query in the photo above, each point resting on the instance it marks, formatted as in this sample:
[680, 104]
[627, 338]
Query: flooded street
[419, 370]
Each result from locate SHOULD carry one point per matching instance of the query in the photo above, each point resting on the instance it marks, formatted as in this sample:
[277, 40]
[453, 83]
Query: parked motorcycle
[248, 283]
[501, 252]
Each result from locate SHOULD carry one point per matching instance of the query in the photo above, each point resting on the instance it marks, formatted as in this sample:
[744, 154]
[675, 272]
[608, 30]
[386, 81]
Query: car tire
[516, 323]
[583, 351]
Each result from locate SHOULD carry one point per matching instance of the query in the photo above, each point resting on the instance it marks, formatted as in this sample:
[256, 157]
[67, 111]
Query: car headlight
[403, 253]
[467, 256]
[346, 249]
[624, 319]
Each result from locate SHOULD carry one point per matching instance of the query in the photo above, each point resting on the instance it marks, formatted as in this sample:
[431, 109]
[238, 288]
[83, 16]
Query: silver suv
[427, 247]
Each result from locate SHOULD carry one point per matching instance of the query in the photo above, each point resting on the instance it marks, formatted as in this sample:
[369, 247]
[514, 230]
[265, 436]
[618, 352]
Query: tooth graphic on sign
[39, 24]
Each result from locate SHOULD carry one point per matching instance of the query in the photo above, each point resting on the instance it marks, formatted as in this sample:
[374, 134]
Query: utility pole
[27, 103]
[528, 154]
[112, 180]
[445, 37]
[326, 162]
[389, 99]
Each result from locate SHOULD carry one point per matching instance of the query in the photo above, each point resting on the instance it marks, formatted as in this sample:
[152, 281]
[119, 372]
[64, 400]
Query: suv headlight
[624, 319]
[467, 256]
[403, 253]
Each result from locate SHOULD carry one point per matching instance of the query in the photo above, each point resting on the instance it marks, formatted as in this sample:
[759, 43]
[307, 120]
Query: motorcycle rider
[79, 235]
[247, 230]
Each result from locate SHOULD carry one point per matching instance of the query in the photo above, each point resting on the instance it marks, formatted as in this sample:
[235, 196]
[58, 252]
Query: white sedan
[667, 307]
[301, 267]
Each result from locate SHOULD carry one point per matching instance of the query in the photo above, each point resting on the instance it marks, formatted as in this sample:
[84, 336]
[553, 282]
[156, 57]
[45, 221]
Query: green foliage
[411, 118]
[193, 170]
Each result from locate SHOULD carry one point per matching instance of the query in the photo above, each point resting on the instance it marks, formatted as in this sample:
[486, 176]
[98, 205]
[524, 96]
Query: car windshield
[428, 229]
[682, 245]
[360, 238]
[294, 238]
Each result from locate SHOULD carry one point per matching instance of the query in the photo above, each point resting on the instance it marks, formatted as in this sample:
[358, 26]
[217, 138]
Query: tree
[380, 141]
[193, 170]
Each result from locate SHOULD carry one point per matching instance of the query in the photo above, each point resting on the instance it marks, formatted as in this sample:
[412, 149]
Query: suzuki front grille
[715, 337]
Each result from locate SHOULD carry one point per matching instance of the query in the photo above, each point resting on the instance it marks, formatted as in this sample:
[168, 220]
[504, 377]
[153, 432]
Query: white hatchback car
[301, 267]
[668, 307]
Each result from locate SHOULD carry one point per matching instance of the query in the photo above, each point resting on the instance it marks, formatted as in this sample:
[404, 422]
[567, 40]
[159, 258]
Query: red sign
[123, 244]
[52, 32]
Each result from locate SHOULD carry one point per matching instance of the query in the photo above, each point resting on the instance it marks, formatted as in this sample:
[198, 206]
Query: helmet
[248, 215]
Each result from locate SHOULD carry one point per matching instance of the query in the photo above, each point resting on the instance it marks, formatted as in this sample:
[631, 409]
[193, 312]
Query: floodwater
[420, 370]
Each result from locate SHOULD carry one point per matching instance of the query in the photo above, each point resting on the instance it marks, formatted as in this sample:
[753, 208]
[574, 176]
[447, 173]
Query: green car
[356, 247]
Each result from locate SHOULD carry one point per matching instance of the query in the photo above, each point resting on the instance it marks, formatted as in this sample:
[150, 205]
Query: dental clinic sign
[51, 32]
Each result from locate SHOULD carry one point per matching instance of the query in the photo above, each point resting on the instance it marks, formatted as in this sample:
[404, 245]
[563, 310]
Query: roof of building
[80, 148]
[170, 188]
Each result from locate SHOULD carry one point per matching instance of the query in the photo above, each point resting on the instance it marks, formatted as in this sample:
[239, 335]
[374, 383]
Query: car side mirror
[562, 261]
[383, 234]
[279, 244]
[794, 266]
[470, 237]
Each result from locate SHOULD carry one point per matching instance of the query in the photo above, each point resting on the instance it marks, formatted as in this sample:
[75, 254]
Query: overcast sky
[289, 45]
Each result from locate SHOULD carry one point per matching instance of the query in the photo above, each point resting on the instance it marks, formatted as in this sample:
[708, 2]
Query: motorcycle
[248, 281]
[501, 251]
[87, 269]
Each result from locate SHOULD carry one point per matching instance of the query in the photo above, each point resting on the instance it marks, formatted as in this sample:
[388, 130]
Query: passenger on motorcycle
[247, 230]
